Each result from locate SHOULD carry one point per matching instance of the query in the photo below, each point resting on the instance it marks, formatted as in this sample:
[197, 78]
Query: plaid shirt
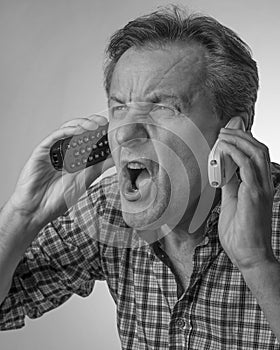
[92, 242]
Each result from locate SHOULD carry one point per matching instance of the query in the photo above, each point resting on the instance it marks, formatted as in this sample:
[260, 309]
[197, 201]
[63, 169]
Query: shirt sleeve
[276, 211]
[63, 260]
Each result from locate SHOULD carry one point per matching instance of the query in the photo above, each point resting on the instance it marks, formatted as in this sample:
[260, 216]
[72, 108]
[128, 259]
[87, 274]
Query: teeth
[135, 165]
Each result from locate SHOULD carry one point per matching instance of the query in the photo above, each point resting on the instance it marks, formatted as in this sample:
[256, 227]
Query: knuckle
[258, 194]
[99, 119]
[255, 194]
[264, 150]
[239, 132]
[263, 194]
[73, 122]
[262, 154]
[248, 162]
[89, 124]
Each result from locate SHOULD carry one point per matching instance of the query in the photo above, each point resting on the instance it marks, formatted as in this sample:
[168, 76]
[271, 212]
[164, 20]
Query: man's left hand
[246, 209]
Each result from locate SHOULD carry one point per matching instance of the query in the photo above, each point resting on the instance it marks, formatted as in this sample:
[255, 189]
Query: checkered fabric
[92, 242]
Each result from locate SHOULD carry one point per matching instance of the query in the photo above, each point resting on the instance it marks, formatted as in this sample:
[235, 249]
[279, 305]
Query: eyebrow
[115, 98]
[179, 101]
[159, 97]
[153, 97]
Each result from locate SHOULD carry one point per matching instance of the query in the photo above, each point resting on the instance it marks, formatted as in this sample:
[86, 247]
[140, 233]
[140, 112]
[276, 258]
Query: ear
[246, 119]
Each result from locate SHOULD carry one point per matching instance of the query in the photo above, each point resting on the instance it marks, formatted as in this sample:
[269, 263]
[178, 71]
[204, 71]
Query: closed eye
[160, 110]
[118, 111]
[120, 107]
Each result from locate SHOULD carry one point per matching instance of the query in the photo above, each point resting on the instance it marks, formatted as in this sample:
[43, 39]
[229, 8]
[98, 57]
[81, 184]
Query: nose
[132, 134]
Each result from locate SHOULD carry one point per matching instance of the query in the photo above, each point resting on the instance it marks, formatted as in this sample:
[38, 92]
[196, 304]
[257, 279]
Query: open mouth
[137, 178]
[136, 171]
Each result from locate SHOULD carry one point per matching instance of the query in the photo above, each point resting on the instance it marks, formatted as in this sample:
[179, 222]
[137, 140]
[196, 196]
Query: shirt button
[181, 323]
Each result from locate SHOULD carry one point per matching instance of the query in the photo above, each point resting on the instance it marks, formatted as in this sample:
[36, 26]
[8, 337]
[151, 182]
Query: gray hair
[232, 75]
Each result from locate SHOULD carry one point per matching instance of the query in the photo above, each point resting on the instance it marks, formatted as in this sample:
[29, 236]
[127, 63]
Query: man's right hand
[43, 193]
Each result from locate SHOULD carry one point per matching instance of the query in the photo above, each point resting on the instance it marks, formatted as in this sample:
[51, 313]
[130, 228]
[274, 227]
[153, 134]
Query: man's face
[157, 172]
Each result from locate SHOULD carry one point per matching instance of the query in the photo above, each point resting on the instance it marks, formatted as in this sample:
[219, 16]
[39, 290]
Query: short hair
[231, 73]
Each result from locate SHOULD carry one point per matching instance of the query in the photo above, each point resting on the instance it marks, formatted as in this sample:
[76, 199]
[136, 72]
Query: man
[213, 287]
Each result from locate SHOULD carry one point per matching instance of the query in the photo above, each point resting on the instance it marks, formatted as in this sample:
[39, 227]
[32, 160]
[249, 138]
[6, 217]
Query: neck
[180, 239]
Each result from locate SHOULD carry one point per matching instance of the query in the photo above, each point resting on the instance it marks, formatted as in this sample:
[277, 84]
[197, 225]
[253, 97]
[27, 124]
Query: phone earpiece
[221, 167]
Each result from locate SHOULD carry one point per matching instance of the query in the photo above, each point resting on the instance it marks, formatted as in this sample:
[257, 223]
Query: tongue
[142, 179]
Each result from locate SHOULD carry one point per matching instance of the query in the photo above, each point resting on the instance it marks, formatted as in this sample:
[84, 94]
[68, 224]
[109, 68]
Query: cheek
[174, 162]
[114, 147]
[211, 138]
[184, 168]
[210, 132]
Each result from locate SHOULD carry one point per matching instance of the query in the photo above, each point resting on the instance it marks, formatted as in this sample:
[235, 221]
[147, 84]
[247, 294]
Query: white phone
[221, 167]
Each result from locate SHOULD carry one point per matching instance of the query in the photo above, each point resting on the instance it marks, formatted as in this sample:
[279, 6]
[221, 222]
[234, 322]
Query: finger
[89, 123]
[255, 151]
[230, 190]
[262, 148]
[85, 124]
[100, 119]
[244, 134]
[61, 134]
[249, 137]
[245, 163]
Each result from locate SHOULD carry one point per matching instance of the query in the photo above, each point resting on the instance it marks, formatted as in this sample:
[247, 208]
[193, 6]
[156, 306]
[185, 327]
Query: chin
[146, 217]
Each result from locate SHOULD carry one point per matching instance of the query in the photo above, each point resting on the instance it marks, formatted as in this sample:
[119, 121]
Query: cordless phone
[77, 152]
[221, 167]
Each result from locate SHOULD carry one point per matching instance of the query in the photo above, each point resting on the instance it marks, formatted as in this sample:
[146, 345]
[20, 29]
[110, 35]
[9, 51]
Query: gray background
[51, 71]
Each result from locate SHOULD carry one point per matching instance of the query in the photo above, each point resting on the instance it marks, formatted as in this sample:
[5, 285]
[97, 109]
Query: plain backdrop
[51, 54]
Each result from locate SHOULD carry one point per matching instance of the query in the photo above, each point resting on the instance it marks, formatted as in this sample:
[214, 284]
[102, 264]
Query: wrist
[16, 222]
[263, 270]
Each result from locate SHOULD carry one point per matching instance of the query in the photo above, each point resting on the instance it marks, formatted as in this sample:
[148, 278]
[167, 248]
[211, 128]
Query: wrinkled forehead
[172, 67]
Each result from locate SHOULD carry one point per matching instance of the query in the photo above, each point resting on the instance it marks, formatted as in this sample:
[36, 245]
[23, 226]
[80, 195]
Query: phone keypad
[80, 151]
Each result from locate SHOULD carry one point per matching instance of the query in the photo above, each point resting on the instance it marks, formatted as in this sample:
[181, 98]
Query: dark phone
[80, 151]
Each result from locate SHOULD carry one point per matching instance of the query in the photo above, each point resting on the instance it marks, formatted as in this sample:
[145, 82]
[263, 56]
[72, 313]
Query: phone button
[213, 162]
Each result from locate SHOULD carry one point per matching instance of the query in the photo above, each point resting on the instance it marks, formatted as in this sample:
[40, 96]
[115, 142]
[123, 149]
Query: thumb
[93, 172]
[230, 190]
